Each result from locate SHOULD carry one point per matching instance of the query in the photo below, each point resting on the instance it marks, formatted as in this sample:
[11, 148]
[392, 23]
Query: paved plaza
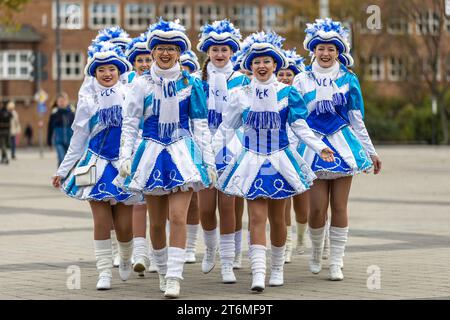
[398, 248]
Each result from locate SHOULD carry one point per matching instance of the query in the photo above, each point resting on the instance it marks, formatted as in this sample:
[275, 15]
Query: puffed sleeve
[132, 114]
[198, 113]
[78, 142]
[356, 115]
[297, 120]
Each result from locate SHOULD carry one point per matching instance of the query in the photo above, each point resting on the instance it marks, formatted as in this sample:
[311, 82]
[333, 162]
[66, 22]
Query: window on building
[300, 23]
[365, 29]
[245, 17]
[396, 69]
[427, 23]
[398, 26]
[72, 65]
[102, 15]
[172, 11]
[138, 16]
[16, 64]
[207, 13]
[375, 71]
[71, 13]
[428, 70]
[274, 18]
[447, 25]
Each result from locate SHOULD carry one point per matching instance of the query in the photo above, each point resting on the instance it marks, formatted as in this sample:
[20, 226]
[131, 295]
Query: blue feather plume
[220, 27]
[326, 25]
[108, 34]
[104, 47]
[167, 26]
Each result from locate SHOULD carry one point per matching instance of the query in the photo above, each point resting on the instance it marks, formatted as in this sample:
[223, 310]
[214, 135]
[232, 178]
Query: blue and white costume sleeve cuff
[357, 123]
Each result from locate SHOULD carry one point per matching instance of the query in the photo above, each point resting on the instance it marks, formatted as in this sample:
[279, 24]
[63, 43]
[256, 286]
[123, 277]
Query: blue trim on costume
[197, 158]
[362, 161]
[136, 159]
[297, 167]
[235, 167]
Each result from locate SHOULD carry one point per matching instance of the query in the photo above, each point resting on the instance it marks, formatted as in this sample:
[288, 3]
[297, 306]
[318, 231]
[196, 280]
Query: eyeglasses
[147, 60]
[170, 50]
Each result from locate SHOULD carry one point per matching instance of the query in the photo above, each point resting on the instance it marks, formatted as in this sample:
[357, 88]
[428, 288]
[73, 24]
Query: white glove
[212, 175]
[125, 168]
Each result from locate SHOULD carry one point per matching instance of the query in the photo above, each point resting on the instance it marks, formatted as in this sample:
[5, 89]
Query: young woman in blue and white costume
[219, 41]
[119, 37]
[96, 140]
[140, 58]
[335, 104]
[301, 203]
[175, 157]
[267, 170]
[189, 62]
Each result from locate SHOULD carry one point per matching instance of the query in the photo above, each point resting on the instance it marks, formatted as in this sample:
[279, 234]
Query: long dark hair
[204, 69]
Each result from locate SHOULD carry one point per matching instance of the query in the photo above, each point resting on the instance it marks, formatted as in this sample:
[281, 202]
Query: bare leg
[157, 208]
[178, 209]
[258, 212]
[277, 222]
[140, 221]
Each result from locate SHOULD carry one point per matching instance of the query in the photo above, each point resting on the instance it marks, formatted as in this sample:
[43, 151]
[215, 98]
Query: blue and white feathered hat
[346, 59]
[136, 47]
[219, 33]
[168, 32]
[114, 35]
[102, 53]
[189, 59]
[263, 44]
[295, 61]
[237, 57]
[327, 31]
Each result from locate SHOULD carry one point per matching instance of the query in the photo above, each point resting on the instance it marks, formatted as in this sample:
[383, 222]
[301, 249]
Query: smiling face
[107, 75]
[166, 55]
[286, 76]
[263, 68]
[326, 54]
[142, 63]
[220, 55]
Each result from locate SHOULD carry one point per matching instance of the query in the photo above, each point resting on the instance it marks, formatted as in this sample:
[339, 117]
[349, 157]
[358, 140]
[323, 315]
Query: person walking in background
[28, 134]
[15, 128]
[59, 126]
[5, 125]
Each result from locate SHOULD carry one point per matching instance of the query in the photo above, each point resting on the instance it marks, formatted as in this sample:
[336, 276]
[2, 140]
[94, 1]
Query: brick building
[81, 20]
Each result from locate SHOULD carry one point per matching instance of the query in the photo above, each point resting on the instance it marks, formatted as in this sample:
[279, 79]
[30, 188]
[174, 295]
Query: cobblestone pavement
[399, 244]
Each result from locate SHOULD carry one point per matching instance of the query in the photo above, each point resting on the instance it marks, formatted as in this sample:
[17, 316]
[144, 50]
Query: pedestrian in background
[28, 134]
[5, 125]
[59, 126]
[15, 128]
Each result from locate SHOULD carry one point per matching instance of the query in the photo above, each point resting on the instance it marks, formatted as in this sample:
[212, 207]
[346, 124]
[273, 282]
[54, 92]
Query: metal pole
[324, 9]
[434, 111]
[58, 47]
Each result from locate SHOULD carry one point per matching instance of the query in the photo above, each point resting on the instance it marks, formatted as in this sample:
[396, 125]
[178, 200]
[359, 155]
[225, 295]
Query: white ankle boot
[104, 281]
[162, 282]
[209, 260]
[237, 263]
[336, 273]
[317, 236]
[301, 229]
[277, 263]
[103, 256]
[228, 274]
[258, 282]
[172, 288]
[125, 269]
[191, 242]
[276, 277]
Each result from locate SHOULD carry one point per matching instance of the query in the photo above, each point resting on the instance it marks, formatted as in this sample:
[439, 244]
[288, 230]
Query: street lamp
[58, 47]
[324, 9]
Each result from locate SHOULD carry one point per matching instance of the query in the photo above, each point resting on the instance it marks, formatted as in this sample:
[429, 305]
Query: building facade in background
[21, 51]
